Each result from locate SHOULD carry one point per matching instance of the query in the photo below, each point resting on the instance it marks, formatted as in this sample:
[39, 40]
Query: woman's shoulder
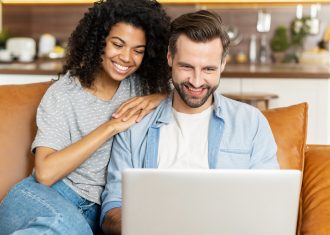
[135, 84]
[62, 89]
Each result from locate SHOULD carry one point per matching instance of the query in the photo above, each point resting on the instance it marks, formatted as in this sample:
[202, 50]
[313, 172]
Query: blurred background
[250, 25]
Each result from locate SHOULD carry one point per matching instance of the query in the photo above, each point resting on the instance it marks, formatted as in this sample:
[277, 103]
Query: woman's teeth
[120, 68]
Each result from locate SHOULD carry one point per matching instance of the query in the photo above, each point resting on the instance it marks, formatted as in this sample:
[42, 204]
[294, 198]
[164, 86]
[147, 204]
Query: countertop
[276, 71]
[53, 67]
[38, 67]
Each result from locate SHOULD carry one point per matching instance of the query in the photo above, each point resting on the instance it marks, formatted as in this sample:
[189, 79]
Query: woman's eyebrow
[122, 41]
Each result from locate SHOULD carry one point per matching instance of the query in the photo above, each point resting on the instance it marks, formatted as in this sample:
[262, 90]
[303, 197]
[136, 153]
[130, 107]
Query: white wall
[6, 79]
[314, 91]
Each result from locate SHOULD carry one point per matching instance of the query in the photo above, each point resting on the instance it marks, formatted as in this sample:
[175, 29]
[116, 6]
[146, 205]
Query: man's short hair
[200, 26]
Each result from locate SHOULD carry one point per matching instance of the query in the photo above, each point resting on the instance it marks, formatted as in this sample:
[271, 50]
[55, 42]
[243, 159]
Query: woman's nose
[125, 55]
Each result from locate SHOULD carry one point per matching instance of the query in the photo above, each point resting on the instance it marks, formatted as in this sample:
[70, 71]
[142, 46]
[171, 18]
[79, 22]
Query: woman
[117, 51]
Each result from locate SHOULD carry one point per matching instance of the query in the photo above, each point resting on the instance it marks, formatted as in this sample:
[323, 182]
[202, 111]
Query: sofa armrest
[18, 106]
[316, 191]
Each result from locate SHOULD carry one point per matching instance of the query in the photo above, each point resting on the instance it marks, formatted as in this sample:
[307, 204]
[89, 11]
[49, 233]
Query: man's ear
[223, 63]
[169, 57]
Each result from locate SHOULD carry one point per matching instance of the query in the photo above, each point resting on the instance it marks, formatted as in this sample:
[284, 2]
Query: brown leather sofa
[18, 104]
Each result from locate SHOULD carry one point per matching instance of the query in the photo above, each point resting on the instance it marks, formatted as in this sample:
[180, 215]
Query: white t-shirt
[183, 142]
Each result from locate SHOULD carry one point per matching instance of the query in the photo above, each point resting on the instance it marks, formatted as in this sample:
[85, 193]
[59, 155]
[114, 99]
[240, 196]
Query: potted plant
[4, 35]
[279, 43]
[299, 29]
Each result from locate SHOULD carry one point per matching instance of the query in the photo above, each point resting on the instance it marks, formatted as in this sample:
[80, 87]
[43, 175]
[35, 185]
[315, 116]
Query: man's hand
[112, 222]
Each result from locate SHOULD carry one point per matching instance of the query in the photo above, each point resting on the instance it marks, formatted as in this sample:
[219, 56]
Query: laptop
[209, 202]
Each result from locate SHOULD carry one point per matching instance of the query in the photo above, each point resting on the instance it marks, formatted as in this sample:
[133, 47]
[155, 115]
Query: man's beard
[193, 102]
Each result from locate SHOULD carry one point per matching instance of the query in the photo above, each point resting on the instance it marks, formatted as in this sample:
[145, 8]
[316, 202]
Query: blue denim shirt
[239, 138]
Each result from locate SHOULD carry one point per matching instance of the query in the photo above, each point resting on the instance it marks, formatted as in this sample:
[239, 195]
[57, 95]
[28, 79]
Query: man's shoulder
[229, 108]
[154, 119]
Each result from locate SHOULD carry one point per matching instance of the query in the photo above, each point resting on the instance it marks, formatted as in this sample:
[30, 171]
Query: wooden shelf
[203, 2]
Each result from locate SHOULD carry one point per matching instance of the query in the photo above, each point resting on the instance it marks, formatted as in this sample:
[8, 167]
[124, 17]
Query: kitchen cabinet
[6, 79]
[314, 91]
[238, 2]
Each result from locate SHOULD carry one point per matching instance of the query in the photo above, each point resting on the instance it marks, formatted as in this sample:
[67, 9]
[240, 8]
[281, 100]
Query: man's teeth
[120, 67]
[195, 89]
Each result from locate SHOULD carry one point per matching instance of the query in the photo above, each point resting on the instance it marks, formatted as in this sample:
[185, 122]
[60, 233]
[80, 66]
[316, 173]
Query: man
[195, 127]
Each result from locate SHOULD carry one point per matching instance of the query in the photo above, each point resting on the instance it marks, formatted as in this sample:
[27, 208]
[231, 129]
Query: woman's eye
[117, 45]
[140, 52]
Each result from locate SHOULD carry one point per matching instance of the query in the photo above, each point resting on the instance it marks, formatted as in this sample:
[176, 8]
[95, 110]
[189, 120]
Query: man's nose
[196, 79]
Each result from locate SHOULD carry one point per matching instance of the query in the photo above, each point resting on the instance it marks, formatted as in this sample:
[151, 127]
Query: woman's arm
[52, 165]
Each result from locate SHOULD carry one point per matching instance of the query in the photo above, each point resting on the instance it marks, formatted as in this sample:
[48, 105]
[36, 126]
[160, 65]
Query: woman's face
[124, 51]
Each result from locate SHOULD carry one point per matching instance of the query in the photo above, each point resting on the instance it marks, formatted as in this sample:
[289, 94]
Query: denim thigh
[90, 210]
[32, 208]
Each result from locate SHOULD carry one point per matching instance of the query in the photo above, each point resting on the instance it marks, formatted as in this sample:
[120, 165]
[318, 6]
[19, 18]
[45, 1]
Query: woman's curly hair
[87, 42]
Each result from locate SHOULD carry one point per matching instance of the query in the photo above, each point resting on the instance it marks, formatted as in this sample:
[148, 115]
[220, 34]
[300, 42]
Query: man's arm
[112, 222]
[264, 146]
[111, 197]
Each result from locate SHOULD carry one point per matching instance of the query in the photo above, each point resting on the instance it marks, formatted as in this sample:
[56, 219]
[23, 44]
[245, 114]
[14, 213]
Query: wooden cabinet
[314, 91]
[237, 2]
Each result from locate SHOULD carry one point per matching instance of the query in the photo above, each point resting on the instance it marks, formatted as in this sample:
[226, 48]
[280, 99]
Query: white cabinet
[314, 91]
[24, 78]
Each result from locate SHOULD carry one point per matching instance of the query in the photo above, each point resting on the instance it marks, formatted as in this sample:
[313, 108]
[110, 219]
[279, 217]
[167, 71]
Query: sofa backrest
[289, 127]
[18, 105]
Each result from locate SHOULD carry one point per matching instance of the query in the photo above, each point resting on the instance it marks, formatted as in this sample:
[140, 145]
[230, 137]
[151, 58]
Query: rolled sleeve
[120, 159]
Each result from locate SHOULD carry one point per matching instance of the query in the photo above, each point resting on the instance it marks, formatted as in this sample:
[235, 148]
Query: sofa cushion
[316, 191]
[18, 105]
[289, 126]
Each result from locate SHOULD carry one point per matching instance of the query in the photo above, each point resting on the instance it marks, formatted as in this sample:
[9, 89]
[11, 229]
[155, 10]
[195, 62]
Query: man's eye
[185, 67]
[210, 69]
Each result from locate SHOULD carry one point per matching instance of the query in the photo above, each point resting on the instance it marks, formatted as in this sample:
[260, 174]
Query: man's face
[196, 70]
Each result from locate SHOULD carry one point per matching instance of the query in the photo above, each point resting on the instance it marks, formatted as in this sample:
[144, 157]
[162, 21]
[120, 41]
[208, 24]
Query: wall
[60, 20]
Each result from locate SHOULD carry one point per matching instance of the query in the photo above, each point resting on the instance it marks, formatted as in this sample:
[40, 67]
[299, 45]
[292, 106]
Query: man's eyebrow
[184, 64]
[212, 66]
[122, 41]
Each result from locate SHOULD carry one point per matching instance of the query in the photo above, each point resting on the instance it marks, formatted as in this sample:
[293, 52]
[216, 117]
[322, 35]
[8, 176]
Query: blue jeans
[32, 208]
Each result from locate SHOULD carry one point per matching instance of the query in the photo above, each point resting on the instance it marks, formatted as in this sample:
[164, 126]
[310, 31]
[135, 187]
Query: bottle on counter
[253, 49]
[263, 52]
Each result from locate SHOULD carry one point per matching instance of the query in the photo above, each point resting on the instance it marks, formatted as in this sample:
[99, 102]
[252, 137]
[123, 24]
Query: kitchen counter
[276, 71]
[53, 67]
[38, 67]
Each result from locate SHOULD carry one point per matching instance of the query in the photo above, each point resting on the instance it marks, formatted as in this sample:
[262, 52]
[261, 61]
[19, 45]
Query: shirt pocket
[233, 159]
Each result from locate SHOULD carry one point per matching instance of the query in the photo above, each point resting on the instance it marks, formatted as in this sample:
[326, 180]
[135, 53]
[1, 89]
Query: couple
[116, 53]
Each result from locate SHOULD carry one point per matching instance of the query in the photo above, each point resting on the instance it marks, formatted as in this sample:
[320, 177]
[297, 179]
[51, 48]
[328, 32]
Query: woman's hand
[118, 125]
[141, 105]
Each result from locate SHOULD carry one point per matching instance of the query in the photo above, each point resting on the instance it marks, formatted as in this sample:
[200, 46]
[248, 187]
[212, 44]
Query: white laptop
[207, 202]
